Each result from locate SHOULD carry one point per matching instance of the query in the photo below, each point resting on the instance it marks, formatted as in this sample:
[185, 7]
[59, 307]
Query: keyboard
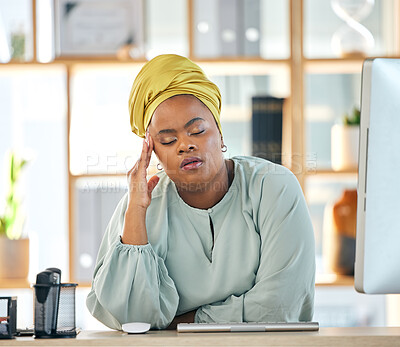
[246, 327]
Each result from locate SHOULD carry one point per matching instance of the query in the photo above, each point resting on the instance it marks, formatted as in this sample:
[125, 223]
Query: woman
[207, 239]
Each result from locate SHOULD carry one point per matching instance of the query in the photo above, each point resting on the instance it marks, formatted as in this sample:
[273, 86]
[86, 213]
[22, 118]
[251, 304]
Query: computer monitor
[377, 264]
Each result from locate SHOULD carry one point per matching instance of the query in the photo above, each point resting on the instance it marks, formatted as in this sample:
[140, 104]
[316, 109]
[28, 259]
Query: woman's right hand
[139, 196]
[139, 189]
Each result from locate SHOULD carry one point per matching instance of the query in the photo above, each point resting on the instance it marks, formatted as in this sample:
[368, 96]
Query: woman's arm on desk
[130, 283]
[188, 317]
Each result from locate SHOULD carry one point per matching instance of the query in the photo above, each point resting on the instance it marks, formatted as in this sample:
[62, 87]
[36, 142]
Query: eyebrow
[188, 124]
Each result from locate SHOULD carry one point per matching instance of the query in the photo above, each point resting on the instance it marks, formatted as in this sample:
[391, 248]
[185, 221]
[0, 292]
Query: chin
[194, 183]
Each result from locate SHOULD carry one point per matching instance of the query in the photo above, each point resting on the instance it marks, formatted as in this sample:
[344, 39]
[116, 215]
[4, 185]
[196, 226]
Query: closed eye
[167, 143]
[171, 142]
[198, 133]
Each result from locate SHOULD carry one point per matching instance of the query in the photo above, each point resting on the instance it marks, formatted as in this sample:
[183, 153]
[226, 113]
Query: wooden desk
[338, 337]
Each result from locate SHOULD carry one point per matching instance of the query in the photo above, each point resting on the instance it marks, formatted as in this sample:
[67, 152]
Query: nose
[185, 145]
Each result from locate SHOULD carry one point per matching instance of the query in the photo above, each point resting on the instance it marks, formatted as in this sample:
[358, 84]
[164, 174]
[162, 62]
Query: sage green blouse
[249, 258]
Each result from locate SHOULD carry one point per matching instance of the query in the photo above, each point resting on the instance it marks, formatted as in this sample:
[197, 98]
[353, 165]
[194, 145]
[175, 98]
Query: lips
[191, 163]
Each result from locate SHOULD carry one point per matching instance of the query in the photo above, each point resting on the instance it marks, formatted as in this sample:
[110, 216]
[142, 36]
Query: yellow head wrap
[163, 77]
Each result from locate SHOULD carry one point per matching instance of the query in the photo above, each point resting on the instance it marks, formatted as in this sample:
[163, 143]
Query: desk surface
[363, 337]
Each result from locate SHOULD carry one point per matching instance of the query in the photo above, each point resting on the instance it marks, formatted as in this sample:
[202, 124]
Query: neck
[210, 195]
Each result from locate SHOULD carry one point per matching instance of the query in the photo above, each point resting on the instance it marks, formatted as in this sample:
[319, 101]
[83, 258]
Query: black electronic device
[8, 317]
[54, 305]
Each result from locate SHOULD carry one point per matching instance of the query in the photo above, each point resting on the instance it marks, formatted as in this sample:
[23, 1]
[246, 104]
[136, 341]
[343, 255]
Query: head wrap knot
[163, 77]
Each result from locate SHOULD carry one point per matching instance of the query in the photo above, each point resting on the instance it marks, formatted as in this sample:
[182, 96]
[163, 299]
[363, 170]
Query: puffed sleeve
[130, 283]
[284, 286]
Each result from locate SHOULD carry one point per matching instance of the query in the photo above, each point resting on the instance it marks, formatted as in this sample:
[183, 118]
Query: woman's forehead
[177, 111]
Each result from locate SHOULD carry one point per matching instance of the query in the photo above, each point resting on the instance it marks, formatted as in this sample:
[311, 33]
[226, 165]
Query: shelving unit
[15, 284]
[297, 66]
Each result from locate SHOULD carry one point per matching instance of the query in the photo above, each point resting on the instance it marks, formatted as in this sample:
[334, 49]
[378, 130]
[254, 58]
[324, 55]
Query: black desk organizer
[8, 317]
[55, 310]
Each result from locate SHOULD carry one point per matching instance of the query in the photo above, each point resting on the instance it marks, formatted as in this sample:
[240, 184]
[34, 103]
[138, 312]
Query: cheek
[214, 142]
[159, 152]
[164, 155]
[214, 154]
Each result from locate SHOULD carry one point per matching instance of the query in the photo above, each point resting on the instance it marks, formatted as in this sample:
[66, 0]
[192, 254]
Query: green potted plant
[344, 142]
[14, 248]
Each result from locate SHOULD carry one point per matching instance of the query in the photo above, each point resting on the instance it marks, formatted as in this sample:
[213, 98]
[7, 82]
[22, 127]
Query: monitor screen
[377, 265]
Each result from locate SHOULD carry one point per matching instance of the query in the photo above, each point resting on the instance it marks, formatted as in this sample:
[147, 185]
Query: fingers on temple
[150, 149]
[143, 156]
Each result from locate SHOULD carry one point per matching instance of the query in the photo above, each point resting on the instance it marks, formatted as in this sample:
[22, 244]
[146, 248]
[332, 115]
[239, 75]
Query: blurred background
[66, 69]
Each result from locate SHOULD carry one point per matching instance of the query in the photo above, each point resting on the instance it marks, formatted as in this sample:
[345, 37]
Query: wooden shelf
[348, 59]
[319, 65]
[228, 67]
[337, 65]
[327, 280]
[115, 60]
[15, 283]
[210, 67]
[101, 175]
[152, 170]
[241, 60]
[331, 172]
[94, 62]
[333, 66]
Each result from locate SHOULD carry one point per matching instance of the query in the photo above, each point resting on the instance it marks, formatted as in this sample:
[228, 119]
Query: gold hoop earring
[159, 167]
[224, 148]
